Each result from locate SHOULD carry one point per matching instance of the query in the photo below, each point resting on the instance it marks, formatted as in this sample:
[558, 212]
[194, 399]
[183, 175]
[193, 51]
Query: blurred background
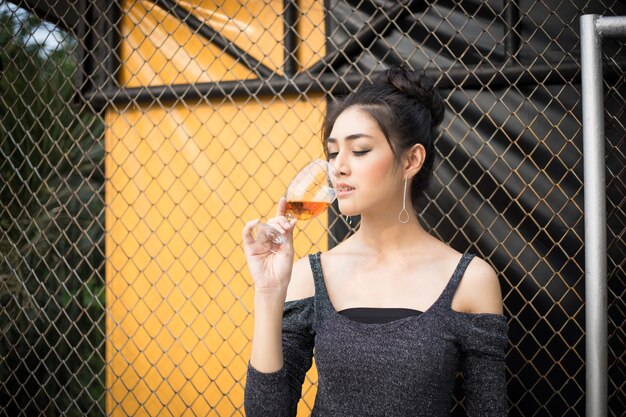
[137, 138]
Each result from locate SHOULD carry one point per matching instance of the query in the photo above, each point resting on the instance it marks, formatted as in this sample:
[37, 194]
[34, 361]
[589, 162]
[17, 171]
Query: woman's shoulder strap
[455, 279]
[322, 300]
[315, 260]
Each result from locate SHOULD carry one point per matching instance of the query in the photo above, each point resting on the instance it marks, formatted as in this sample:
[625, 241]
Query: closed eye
[333, 155]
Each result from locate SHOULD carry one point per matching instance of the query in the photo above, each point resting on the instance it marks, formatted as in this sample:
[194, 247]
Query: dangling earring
[348, 220]
[403, 217]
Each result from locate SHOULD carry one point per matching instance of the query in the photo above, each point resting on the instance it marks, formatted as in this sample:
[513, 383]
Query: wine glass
[308, 195]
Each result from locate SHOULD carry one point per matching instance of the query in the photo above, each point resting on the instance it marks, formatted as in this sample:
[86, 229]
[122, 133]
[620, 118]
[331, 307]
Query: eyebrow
[350, 137]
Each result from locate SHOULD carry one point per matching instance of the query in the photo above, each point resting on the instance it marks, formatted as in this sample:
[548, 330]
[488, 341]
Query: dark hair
[407, 109]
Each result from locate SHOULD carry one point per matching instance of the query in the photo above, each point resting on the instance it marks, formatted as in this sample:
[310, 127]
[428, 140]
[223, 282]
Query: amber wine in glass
[305, 210]
[308, 195]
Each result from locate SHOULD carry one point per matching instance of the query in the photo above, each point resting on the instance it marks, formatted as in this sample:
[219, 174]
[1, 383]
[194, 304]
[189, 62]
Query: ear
[414, 159]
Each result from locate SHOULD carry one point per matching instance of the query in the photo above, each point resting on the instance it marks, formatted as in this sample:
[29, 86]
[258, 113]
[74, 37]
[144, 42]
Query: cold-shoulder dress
[405, 367]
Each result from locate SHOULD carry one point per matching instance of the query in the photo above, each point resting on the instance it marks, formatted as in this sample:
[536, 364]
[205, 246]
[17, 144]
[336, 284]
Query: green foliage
[51, 232]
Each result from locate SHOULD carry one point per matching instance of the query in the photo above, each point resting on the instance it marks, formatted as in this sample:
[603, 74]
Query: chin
[348, 210]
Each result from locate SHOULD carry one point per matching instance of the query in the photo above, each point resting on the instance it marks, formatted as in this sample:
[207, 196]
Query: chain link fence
[137, 137]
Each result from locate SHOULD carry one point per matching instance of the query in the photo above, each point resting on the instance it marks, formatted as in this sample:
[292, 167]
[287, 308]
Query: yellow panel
[158, 49]
[255, 26]
[181, 184]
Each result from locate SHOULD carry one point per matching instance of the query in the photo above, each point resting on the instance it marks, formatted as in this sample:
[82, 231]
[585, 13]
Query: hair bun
[419, 87]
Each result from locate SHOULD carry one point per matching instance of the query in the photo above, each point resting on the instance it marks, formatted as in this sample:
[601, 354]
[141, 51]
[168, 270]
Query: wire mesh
[52, 334]
[137, 137]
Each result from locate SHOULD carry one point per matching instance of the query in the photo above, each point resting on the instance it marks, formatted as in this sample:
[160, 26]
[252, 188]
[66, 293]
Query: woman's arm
[282, 344]
[267, 352]
[484, 341]
[483, 366]
[276, 392]
[271, 273]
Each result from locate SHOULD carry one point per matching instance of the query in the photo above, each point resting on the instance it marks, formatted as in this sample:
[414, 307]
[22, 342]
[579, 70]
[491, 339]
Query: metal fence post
[592, 29]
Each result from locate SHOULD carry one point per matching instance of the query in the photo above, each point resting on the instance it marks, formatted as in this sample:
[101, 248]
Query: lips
[343, 189]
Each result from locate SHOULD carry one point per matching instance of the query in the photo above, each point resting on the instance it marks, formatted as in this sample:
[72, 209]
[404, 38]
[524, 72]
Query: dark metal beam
[512, 16]
[457, 77]
[97, 51]
[243, 88]
[290, 37]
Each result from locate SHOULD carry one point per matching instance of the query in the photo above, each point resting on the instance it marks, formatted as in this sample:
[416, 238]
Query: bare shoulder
[301, 284]
[479, 290]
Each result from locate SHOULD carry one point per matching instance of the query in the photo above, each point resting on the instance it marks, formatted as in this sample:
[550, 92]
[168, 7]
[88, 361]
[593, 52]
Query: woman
[392, 312]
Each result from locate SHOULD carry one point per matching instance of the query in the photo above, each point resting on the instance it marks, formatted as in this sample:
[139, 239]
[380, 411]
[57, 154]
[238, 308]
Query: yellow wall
[182, 179]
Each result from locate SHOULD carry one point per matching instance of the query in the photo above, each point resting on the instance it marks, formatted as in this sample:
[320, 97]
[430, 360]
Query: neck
[386, 234]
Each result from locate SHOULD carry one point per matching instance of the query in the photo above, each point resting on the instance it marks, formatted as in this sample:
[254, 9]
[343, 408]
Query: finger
[282, 207]
[287, 223]
[247, 233]
[287, 246]
[288, 226]
[277, 223]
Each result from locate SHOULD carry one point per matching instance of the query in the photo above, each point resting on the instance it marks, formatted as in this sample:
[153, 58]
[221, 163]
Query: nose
[341, 165]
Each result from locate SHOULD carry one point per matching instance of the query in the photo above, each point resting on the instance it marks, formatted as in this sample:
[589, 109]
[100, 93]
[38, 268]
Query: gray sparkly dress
[405, 367]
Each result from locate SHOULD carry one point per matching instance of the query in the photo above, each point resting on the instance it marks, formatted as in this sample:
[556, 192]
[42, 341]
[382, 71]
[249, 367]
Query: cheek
[380, 167]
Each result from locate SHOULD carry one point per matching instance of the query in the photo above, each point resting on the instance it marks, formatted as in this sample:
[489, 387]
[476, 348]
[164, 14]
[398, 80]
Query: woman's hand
[271, 271]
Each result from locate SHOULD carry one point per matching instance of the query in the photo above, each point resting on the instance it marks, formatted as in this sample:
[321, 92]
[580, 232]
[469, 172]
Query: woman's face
[368, 178]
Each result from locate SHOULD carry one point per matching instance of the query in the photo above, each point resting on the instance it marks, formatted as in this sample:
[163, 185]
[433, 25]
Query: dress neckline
[321, 293]
[378, 315]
